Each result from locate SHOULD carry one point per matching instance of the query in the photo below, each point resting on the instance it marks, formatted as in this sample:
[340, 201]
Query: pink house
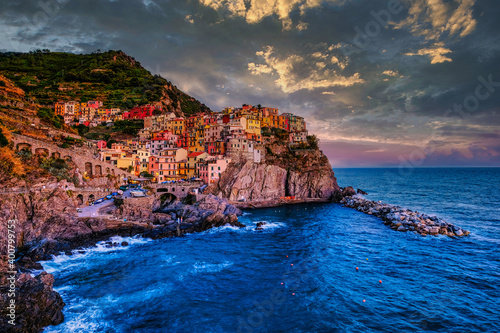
[163, 167]
[210, 171]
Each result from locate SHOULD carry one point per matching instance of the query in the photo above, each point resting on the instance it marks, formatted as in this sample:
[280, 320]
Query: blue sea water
[299, 273]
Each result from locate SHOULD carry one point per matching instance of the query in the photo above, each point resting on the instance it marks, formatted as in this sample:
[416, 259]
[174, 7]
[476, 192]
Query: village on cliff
[172, 148]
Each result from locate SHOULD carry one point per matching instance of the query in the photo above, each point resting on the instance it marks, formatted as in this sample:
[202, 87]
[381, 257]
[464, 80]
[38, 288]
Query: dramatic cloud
[434, 18]
[255, 10]
[437, 53]
[296, 72]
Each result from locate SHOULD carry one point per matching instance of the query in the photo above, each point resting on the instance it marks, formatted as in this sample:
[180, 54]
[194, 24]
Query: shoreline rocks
[404, 220]
[47, 225]
[37, 305]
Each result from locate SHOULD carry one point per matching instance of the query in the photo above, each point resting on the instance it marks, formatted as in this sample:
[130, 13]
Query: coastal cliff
[302, 174]
[47, 224]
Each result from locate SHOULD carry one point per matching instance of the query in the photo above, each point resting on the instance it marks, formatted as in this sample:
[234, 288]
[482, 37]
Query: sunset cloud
[435, 18]
[255, 10]
[437, 53]
[289, 71]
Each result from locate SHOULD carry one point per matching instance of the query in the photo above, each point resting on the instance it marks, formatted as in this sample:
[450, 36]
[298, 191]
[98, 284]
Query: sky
[410, 83]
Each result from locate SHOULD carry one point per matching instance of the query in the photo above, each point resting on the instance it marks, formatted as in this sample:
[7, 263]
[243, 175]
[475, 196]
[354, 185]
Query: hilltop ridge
[113, 77]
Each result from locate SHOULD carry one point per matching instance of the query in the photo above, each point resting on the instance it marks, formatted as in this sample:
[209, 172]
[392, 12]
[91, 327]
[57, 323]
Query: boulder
[260, 225]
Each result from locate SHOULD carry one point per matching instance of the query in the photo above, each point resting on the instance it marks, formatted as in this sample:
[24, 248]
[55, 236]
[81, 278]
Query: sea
[312, 268]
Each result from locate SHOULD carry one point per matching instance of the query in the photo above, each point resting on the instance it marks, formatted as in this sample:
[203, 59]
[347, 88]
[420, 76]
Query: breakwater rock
[402, 219]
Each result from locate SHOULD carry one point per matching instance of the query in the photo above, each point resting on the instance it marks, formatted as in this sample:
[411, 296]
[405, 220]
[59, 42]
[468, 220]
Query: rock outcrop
[41, 216]
[401, 219]
[298, 174]
[37, 305]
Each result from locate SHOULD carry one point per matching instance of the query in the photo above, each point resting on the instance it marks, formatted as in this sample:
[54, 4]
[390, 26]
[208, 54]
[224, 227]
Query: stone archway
[91, 198]
[113, 172]
[67, 158]
[166, 199]
[88, 169]
[42, 151]
[56, 155]
[98, 170]
[79, 199]
[23, 146]
[107, 171]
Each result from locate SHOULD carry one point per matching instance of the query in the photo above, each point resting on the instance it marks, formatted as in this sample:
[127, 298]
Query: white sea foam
[203, 267]
[270, 225]
[82, 316]
[68, 261]
[248, 228]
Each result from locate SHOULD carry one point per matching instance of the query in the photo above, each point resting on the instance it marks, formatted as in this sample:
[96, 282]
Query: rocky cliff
[36, 304]
[303, 174]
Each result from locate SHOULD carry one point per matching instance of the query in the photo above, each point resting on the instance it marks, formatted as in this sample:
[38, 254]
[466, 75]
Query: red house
[101, 144]
[183, 141]
[139, 112]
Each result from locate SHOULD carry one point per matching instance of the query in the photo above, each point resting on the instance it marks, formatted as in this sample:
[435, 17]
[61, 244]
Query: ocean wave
[67, 261]
[248, 227]
[269, 225]
[82, 316]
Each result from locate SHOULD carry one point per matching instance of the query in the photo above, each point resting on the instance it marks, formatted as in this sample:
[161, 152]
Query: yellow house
[126, 161]
[176, 126]
[196, 140]
[265, 122]
[143, 156]
[253, 125]
[192, 159]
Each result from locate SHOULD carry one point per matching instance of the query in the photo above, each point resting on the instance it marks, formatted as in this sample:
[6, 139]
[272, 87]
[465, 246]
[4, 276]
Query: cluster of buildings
[92, 113]
[172, 148]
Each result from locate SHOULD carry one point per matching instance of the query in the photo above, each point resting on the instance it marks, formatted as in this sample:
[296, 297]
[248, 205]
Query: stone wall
[81, 156]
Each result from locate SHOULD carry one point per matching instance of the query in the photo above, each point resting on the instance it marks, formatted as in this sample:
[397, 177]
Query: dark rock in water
[29, 264]
[124, 243]
[81, 252]
[68, 253]
[260, 225]
[360, 191]
[348, 192]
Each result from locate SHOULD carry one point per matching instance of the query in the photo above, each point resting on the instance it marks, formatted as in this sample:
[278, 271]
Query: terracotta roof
[196, 153]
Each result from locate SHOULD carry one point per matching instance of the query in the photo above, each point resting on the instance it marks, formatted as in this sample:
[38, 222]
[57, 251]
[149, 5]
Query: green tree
[312, 141]
[109, 143]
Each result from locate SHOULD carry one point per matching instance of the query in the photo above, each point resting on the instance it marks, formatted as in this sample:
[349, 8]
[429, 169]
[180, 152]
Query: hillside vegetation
[112, 77]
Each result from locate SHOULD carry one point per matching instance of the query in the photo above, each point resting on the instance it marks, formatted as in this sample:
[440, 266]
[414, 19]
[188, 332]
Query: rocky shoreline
[404, 220]
[47, 233]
